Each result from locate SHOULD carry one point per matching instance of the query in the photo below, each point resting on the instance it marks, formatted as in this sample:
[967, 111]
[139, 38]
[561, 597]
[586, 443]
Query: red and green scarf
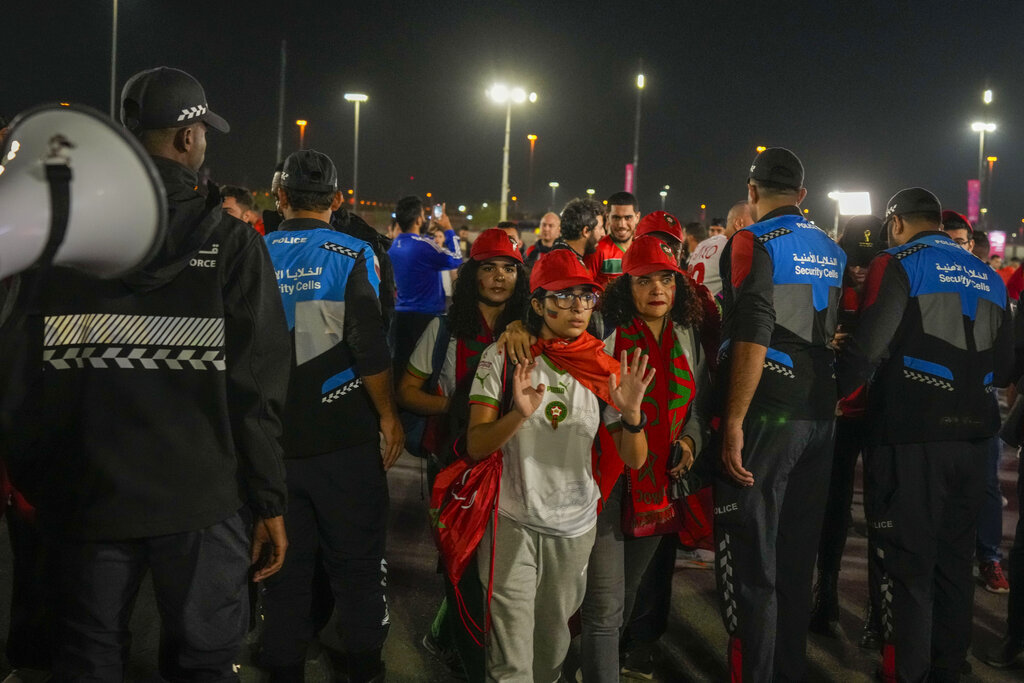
[666, 406]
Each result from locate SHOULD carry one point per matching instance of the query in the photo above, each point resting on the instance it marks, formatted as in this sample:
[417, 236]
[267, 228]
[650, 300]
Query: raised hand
[526, 398]
[628, 392]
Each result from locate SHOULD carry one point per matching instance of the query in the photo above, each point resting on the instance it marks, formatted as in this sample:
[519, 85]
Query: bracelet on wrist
[637, 428]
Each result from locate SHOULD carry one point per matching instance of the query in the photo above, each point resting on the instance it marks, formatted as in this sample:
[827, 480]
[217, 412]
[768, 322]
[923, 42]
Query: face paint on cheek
[551, 314]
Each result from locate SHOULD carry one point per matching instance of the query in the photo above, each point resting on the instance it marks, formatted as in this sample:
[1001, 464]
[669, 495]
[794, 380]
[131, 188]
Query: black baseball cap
[309, 171]
[166, 98]
[778, 165]
[913, 200]
[861, 240]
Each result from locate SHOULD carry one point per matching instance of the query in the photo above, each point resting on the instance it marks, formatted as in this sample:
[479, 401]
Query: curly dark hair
[463, 316]
[618, 308]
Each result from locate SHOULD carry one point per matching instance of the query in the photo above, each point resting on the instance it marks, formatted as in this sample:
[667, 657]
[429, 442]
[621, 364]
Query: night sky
[872, 95]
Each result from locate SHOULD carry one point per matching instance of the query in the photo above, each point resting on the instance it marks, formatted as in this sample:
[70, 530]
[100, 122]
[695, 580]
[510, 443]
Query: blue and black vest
[313, 268]
[937, 383]
[806, 280]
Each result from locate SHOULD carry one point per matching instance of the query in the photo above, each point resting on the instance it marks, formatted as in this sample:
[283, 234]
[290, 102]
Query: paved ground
[692, 650]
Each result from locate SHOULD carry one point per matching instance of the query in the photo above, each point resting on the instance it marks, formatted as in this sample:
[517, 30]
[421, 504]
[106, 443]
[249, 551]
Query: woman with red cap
[491, 290]
[549, 495]
[659, 314]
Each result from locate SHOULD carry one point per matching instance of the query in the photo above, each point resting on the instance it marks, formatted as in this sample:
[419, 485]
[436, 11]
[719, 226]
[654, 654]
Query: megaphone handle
[58, 177]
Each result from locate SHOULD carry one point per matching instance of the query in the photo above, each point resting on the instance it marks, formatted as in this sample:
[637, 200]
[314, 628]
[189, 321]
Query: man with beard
[606, 261]
[582, 219]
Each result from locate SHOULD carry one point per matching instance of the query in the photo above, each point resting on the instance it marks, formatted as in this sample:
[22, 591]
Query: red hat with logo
[660, 222]
[494, 243]
[648, 254]
[561, 269]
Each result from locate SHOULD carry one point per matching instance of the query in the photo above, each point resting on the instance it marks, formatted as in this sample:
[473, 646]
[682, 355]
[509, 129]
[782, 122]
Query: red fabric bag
[464, 498]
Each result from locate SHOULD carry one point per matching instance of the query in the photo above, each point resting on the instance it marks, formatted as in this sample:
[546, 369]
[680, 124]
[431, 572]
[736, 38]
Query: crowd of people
[638, 389]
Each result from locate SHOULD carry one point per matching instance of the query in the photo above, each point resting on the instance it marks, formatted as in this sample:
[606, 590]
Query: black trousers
[765, 545]
[199, 578]
[337, 507]
[923, 501]
[1015, 604]
[649, 618]
[850, 434]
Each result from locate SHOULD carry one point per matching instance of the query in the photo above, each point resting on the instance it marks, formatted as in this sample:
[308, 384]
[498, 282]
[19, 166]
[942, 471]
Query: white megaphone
[77, 190]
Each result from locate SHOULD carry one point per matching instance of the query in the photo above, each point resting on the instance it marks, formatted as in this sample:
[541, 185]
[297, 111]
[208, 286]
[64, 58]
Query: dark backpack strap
[444, 336]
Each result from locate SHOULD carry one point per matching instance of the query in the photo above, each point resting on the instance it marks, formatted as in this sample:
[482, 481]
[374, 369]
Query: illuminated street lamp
[554, 188]
[357, 98]
[761, 148]
[301, 123]
[502, 94]
[850, 204]
[663, 193]
[590, 192]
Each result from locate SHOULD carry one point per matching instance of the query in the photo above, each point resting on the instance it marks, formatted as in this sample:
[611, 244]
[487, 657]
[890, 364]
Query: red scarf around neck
[584, 358]
[666, 406]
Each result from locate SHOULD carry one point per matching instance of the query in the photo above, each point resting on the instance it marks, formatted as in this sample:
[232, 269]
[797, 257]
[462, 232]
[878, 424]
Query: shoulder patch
[777, 232]
[900, 255]
[340, 249]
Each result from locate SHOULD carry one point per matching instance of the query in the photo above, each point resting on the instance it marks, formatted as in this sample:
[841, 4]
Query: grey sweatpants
[539, 582]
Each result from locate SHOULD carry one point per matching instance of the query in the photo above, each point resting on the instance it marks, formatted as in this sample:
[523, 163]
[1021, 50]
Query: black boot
[825, 614]
[1004, 654]
[871, 633]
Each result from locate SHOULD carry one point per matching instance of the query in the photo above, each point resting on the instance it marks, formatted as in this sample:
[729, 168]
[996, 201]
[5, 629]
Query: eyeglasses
[565, 300]
[960, 240]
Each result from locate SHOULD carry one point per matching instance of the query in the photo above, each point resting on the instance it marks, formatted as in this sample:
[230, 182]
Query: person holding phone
[418, 262]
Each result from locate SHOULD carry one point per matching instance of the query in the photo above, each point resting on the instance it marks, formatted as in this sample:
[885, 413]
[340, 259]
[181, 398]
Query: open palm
[628, 392]
[525, 396]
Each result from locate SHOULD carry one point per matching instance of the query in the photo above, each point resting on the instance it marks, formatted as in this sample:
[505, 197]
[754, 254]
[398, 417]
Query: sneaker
[450, 658]
[992, 578]
[638, 663]
[695, 559]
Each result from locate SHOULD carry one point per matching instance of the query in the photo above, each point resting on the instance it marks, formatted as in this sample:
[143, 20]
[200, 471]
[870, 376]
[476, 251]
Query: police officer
[776, 400]
[934, 340]
[339, 402]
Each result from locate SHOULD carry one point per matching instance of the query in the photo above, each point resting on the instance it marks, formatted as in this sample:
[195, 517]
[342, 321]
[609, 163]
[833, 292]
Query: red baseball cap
[660, 221]
[951, 220]
[647, 254]
[492, 243]
[561, 269]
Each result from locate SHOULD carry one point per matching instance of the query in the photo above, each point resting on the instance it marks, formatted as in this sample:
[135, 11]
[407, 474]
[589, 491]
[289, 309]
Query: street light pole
[301, 123]
[640, 82]
[503, 210]
[981, 127]
[503, 95]
[529, 177]
[554, 188]
[663, 193]
[113, 66]
[356, 98]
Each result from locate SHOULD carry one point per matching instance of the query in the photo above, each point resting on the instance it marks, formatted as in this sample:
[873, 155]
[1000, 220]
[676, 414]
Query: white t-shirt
[547, 482]
[421, 362]
[703, 263]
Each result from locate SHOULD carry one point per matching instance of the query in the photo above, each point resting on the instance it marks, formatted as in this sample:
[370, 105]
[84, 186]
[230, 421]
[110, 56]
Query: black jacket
[933, 342]
[155, 408]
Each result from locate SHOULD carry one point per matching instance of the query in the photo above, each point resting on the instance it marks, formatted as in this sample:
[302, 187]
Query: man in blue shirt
[418, 262]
